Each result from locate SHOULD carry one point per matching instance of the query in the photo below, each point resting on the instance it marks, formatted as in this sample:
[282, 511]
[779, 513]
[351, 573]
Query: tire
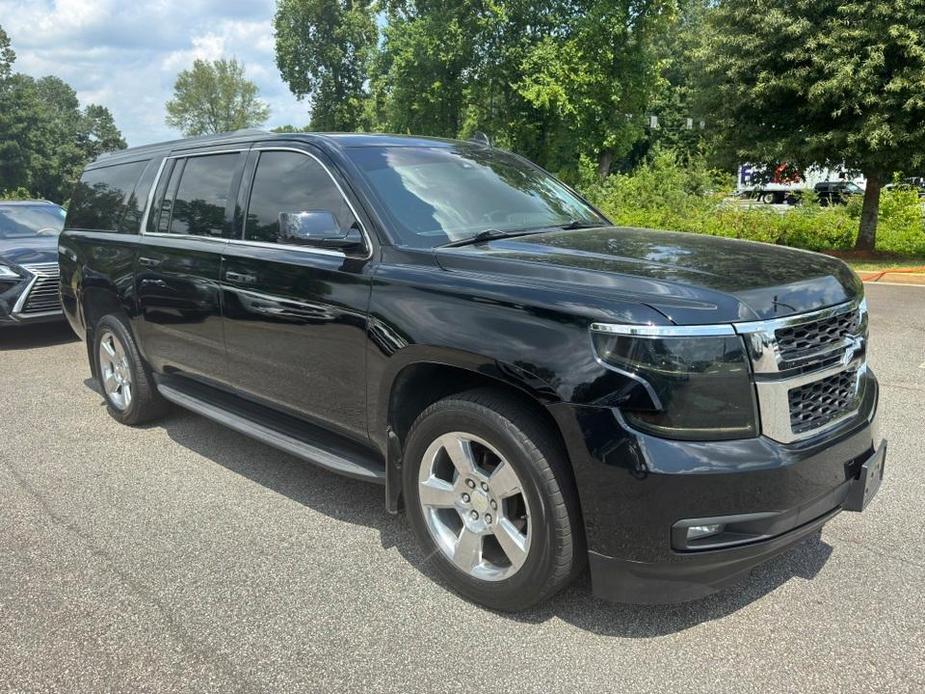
[533, 545]
[130, 393]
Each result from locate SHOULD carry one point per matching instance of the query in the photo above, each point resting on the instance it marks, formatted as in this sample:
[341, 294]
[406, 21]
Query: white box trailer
[785, 183]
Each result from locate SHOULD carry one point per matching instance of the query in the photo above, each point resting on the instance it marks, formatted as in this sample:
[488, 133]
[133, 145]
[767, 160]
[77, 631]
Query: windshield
[30, 221]
[436, 195]
[853, 188]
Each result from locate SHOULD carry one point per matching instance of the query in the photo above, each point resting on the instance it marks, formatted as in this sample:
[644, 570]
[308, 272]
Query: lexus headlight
[696, 379]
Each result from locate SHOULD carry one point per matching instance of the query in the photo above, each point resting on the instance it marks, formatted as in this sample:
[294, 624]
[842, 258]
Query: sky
[125, 54]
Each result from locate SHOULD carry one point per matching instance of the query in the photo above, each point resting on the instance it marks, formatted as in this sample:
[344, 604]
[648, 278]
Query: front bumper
[17, 309]
[634, 488]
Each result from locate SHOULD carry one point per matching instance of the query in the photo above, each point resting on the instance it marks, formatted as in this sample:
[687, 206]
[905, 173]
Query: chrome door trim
[317, 251]
[243, 242]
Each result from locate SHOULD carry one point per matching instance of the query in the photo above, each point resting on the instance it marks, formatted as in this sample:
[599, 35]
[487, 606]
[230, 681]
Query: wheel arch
[418, 384]
[96, 302]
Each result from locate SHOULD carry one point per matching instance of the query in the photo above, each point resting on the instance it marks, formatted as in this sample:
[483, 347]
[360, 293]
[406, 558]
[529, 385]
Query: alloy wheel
[114, 371]
[474, 506]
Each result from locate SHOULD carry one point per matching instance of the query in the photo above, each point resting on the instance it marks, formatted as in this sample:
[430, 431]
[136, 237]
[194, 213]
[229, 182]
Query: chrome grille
[805, 340]
[810, 369]
[43, 295]
[820, 402]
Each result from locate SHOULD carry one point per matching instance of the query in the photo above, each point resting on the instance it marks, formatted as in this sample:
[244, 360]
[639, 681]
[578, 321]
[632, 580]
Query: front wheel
[490, 498]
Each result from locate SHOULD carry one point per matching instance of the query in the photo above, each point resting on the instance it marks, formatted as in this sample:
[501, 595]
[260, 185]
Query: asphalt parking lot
[185, 557]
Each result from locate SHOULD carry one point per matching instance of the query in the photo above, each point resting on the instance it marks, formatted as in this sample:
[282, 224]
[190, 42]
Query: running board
[326, 452]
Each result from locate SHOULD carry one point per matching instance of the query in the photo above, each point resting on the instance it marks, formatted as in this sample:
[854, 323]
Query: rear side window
[135, 207]
[101, 196]
[291, 182]
[198, 196]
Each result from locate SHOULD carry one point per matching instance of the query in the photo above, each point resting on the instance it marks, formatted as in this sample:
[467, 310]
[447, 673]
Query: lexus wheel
[490, 497]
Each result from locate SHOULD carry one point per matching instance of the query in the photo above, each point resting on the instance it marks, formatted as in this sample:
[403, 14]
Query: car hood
[37, 249]
[689, 278]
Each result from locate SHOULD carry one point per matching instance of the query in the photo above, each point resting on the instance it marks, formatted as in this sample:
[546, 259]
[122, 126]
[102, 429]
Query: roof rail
[216, 138]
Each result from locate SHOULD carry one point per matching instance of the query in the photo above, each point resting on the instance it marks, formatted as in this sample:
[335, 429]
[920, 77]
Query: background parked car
[836, 192]
[29, 261]
[916, 183]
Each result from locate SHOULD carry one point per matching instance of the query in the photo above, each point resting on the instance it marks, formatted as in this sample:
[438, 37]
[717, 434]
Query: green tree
[45, 138]
[323, 49]
[7, 56]
[215, 97]
[554, 80]
[597, 72]
[824, 82]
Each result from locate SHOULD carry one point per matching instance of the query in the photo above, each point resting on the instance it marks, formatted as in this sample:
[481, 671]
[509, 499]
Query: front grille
[816, 404]
[44, 296]
[797, 342]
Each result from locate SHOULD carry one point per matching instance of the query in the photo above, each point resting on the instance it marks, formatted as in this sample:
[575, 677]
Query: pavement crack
[888, 555]
[135, 587]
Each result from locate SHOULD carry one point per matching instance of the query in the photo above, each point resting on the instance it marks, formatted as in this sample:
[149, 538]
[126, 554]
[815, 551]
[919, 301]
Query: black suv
[836, 192]
[29, 261]
[535, 387]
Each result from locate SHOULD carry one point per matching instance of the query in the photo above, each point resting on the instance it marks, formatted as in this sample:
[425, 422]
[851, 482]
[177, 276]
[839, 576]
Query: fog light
[695, 532]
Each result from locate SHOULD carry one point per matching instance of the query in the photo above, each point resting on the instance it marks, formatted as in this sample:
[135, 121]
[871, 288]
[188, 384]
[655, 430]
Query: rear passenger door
[295, 316]
[178, 265]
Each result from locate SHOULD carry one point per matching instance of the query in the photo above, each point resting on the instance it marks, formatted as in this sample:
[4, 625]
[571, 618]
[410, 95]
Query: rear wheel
[130, 392]
[490, 498]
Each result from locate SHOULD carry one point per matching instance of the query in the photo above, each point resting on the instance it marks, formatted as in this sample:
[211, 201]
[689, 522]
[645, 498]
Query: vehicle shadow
[32, 336]
[361, 503]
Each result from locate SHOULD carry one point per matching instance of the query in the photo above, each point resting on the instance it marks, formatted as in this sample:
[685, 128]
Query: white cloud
[126, 55]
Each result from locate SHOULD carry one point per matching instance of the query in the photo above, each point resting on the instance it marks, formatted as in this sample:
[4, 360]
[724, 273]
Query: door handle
[240, 277]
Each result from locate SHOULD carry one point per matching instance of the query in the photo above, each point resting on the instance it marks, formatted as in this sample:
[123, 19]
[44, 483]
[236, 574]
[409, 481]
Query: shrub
[661, 194]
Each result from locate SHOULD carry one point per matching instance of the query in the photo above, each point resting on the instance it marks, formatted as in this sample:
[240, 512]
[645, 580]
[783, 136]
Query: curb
[896, 276]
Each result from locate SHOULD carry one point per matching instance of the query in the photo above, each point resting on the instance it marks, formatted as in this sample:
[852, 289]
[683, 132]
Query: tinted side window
[100, 198]
[290, 182]
[135, 207]
[200, 205]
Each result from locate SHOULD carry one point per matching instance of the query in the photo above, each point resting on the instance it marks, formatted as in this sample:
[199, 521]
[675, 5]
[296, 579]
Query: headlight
[8, 273]
[696, 379]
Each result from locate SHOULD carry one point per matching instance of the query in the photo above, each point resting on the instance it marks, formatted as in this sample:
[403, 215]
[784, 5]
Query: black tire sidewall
[135, 411]
[527, 585]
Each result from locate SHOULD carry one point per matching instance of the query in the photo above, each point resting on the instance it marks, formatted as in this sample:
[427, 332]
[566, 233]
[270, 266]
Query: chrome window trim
[663, 330]
[316, 251]
[243, 242]
[290, 247]
[157, 179]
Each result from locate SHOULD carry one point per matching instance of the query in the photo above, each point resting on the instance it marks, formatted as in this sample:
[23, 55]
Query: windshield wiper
[581, 224]
[486, 235]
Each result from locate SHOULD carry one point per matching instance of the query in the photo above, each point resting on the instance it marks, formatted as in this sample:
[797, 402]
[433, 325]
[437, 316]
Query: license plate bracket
[866, 486]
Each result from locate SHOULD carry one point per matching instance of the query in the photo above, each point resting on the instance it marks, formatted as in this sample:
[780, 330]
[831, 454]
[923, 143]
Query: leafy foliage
[7, 56]
[323, 49]
[664, 194]
[553, 80]
[824, 82]
[45, 137]
[215, 97]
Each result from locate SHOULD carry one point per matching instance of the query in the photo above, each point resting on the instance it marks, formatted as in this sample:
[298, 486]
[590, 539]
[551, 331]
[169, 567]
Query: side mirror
[318, 228]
